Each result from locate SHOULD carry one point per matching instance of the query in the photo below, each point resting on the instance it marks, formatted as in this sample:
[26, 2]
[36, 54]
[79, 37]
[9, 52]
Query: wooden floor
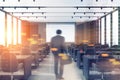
[45, 71]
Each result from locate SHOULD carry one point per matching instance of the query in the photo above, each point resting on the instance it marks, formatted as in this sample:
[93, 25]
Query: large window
[19, 31]
[115, 28]
[11, 32]
[68, 31]
[108, 29]
[102, 30]
[14, 31]
[2, 28]
[9, 29]
[99, 30]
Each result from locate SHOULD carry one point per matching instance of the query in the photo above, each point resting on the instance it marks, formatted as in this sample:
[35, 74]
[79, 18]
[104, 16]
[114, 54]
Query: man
[58, 47]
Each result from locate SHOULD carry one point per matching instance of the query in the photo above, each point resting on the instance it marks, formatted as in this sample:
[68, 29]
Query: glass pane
[99, 30]
[115, 28]
[9, 29]
[102, 30]
[19, 31]
[2, 28]
[108, 29]
[14, 31]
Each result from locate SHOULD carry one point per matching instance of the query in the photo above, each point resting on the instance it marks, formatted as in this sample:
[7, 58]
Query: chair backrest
[115, 46]
[105, 46]
[26, 51]
[103, 63]
[9, 62]
[90, 51]
[98, 47]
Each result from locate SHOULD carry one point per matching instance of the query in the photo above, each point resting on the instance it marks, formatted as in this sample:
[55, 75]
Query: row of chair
[97, 61]
[9, 64]
[13, 63]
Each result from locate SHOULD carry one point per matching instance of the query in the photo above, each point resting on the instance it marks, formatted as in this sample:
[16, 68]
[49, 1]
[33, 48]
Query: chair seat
[20, 66]
[19, 72]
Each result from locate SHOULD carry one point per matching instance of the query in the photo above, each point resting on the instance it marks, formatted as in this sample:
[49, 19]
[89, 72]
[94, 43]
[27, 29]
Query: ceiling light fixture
[38, 7]
[42, 13]
[3, 0]
[18, 0]
[96, 0]
[22, 13]
[74, 13]
[14, 7]
[2, 7]
[45, 17]
[33, 0]
[89, 8]
[27, 8]
[80, 17]
[77, 8]
[81, 0]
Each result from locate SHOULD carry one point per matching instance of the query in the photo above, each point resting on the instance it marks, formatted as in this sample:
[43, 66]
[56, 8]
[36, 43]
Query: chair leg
[12, 77]
[102, 76]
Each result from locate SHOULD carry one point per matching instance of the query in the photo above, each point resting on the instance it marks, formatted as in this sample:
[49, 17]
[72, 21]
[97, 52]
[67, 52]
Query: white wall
[68, 31]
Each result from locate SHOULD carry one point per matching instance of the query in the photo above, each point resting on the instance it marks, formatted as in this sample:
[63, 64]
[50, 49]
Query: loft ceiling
[59, 10]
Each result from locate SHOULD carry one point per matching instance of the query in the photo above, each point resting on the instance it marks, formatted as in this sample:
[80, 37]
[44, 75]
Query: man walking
[58, 46]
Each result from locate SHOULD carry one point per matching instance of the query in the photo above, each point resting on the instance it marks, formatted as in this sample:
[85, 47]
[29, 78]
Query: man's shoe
[61, 78]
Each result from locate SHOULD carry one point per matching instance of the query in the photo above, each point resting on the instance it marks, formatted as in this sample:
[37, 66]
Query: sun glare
[9, 30]
[2, 28]
[19, 32]
[12, 33]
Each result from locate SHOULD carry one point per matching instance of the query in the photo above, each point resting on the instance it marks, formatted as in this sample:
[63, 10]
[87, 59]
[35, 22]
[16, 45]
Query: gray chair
[103, 65]
[90, 50]
[9, 64]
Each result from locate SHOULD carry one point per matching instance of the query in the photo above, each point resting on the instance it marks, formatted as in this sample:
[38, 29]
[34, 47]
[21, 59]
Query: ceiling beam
[60, 7]
[60, 12]
[57, 16]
